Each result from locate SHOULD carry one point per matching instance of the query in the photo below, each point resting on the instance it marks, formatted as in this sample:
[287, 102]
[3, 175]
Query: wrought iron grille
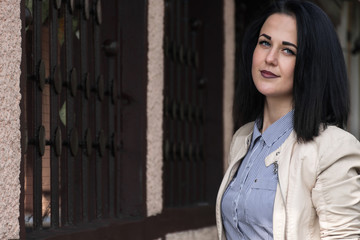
[185, 89]
[72, 115]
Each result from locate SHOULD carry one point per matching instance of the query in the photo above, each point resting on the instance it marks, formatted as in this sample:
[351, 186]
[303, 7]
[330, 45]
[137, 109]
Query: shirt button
[255, 180]
[277, 153]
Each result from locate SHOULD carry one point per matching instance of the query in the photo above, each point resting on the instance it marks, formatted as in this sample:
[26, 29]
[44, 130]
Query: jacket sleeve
[336, 195]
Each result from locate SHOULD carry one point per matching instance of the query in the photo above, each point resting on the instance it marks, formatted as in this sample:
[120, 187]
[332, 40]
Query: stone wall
[10, 152]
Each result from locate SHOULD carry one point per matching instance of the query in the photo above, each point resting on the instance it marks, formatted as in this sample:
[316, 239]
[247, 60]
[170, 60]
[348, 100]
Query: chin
[266, 91]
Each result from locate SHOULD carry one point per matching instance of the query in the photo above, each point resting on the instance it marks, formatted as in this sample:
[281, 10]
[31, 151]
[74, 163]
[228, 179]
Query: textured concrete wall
[229, 70]
[10, 153]
[208, 233]
[155, 87]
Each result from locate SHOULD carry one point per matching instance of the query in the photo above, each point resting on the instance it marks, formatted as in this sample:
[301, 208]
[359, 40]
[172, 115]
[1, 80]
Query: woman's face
[274, 57]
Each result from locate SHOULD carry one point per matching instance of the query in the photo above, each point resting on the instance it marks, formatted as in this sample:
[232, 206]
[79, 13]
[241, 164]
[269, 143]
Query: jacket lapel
[281, 157]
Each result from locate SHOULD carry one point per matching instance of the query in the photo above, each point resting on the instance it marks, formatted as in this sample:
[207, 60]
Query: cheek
[255, 58]
[288, 82]
[290, 72]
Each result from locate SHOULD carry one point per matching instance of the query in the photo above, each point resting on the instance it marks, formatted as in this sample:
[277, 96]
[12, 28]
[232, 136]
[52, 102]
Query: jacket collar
[242, 144]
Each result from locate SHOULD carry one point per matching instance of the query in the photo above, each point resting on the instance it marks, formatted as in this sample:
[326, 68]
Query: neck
[274, 109]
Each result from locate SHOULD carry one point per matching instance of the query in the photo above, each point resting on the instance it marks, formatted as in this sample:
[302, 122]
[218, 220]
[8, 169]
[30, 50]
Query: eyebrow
[284, 42]
[267, 36]
[289, 44]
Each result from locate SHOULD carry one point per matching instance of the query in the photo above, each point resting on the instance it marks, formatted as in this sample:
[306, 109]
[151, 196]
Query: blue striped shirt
[248, 202]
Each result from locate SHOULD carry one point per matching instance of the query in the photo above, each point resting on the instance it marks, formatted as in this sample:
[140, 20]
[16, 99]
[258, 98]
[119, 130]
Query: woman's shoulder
[241, 139]
[333, 144]
[331, 138]
[244, 130]
[335, 135]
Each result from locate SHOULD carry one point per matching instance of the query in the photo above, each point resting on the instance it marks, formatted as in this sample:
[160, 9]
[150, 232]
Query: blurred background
[126, 113]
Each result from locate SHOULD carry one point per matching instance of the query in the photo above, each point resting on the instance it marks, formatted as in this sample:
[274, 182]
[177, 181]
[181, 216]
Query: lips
[268, 74]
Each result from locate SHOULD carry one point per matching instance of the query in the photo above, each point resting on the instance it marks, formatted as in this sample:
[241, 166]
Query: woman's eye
[289, 51]
[264, 43]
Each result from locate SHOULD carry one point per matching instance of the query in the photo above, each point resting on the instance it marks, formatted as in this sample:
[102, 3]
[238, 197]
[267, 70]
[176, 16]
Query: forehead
[280, 26]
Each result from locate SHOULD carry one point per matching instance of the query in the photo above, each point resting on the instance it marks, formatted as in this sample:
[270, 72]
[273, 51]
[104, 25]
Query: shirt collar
[256, 133]
[275, 130]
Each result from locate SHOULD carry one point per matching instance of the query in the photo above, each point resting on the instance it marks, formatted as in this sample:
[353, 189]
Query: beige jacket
[318, 193]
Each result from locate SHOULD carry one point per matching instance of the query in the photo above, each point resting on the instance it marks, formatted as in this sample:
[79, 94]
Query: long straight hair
[320, 89]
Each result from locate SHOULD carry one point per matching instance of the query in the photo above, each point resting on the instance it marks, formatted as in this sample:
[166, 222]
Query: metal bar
[111, 118]
[177, 130]
[177, 99]
[63, 161]
[107, 69]
[195, 137]
[63, 96]
[23, 121]
[201, 95]
[69, 110]
[118, 117]
[166, 115]
[37, 177]
[186, 104]
[85, 104]
[54, 115]
[91, 119]
[191, 107]
[171, 102]
[97, 43]
[78, 105]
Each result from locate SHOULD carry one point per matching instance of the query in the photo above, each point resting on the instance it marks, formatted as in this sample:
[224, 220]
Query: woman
[293, 171]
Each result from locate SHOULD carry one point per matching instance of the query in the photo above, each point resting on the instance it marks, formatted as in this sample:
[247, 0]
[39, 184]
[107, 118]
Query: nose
[272, 57]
